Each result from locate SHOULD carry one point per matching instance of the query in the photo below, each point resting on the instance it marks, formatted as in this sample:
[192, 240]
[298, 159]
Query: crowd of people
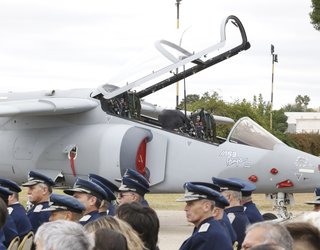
[96, 214]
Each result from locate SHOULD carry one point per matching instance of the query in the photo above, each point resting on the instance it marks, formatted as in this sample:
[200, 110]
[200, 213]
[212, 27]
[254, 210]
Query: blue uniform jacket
[9, 230]
[112, 209]
[144, 202]
[92, 216]
[208, 236]
[20, 218]
[252, 212]
[226, 223]
[38, 217]
[239, 222]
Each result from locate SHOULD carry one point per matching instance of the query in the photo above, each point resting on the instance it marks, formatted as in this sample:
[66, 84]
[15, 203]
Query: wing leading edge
[46, 106]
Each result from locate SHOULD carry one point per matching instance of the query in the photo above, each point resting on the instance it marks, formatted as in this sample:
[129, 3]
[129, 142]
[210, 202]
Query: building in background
[303, 122]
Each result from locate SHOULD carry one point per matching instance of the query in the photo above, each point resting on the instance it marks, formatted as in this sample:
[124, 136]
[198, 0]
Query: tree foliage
[307, 142]
[315, 14]
[301, 105]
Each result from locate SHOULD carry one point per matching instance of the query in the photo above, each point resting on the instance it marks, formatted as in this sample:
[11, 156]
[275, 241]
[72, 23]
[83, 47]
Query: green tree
[279, 121]
[302, 101]
[191, 98]
[315, 14]
[292, 108]
[301, 105]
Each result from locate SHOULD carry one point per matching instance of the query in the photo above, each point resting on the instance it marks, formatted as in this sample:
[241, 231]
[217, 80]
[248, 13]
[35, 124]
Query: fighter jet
[70, 133]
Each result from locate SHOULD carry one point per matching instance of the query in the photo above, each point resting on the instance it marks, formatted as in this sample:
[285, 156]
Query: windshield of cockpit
[247, 132]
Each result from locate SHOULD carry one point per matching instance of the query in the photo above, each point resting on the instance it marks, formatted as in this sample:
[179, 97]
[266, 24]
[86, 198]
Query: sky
[70, 44]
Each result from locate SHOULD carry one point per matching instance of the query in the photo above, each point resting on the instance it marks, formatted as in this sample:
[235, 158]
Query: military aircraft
[70, 133]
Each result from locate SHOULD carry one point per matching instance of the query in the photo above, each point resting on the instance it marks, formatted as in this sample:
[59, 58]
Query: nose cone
[294, 170]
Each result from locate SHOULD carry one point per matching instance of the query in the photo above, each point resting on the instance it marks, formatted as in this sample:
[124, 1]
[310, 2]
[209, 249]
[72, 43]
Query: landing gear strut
[280, 202]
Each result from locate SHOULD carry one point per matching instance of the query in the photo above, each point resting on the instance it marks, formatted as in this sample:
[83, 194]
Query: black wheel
[269, 216]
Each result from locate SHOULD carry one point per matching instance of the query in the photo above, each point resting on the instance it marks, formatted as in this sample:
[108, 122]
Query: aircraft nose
[305, 171]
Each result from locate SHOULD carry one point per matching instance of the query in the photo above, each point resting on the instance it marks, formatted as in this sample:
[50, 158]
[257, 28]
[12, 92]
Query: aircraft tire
[269, 216]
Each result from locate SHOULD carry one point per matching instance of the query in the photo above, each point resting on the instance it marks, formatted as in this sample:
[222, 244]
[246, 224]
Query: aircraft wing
[46, 106]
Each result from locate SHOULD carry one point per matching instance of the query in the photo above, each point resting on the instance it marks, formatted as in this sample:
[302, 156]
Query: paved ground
[174, 229]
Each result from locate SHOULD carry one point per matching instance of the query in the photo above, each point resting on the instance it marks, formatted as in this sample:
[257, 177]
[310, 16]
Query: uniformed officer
[220, 215]
[218, 212]
[316, 202]
[250, 208]
[208, 233]
[90, 195]
[15, 209]
[108, 207]
[9, 229]
[65, 207]
[133, 188]
[231, 190]
[39, 190]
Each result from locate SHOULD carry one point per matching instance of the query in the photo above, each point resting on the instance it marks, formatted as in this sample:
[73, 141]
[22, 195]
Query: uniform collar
[234, 209]
[209, 219]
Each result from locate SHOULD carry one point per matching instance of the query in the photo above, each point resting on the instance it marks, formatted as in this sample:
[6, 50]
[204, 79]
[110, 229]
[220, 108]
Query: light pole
[178, 24]
[274, 59]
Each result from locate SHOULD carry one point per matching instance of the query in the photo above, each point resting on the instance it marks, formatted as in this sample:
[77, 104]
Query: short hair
[142, 219]
[235, 194]
[45, 185]
[267, 246]
[3, 213]
[62, 234]
[274, 233]
[108, 239]
[133, 240]
[15, 195]
[304, 234]
[98, 200]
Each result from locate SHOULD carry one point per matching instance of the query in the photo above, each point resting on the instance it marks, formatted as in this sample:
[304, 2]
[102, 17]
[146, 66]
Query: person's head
[115, 240]
[3, 213]
[304, 234]
[133, 187]
[13, 198]
[62, 234]
[108, 187]
[198, 210]
[39, 187]
[220, 204]
[143, 220]
[267, 232]
[230, 189]
[246, 191]
[64, 207]
[88, 193]
[128, 197]
[233, 197]
[267, 246]
[13, 187]
[133, 240]
[4, 194]
[200, 201]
